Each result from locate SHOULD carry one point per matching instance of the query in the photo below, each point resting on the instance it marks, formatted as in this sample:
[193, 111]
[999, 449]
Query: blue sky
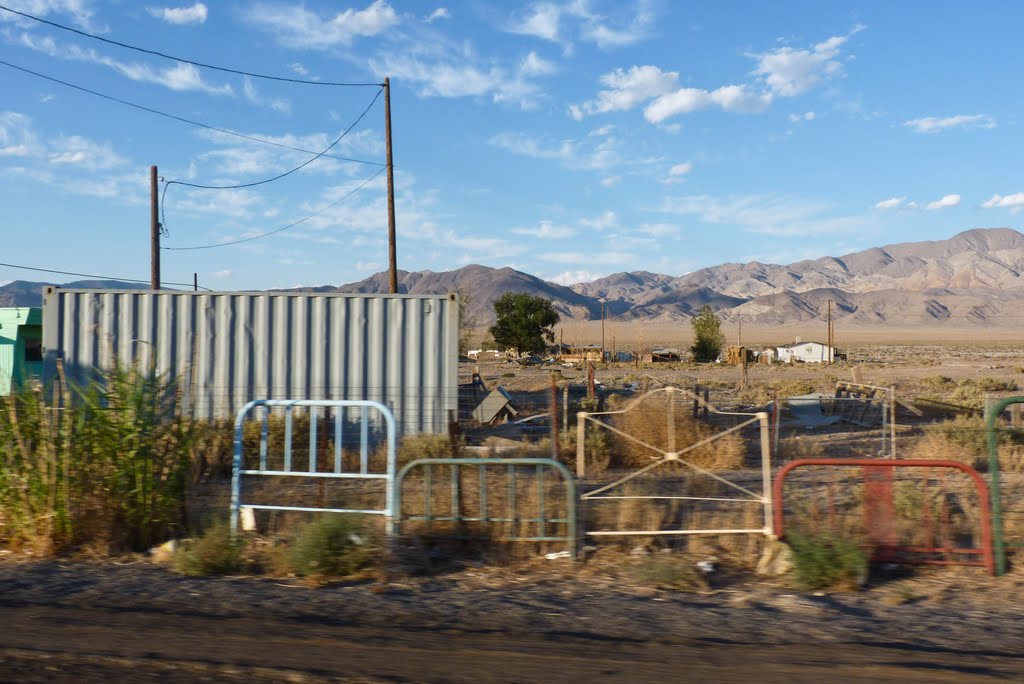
[569, 139]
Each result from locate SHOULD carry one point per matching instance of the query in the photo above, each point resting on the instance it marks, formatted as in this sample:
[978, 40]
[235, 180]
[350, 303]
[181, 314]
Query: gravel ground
[956, 621]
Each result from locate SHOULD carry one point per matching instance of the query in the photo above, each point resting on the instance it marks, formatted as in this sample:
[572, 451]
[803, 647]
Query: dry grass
[665, 422]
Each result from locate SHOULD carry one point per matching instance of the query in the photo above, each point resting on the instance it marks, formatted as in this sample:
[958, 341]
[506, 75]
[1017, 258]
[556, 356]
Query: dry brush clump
[664, 422]
[964, 439]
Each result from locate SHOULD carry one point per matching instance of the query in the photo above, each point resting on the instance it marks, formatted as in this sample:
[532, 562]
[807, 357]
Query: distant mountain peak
[975, 277]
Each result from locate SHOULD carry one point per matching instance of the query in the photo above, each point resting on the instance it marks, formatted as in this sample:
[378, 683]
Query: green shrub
[216, 552]
[332, 545]
[821, 561]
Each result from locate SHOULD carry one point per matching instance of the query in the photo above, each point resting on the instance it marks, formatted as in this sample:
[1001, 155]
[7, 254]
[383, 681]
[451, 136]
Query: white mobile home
[806, 352]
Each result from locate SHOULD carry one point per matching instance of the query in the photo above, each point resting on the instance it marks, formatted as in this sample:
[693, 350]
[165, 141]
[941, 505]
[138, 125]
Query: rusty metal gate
[676, 462]
[903, 511]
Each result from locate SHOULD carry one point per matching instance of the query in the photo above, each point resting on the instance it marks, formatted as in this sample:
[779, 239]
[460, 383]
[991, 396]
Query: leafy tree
[708, 338]
[524, 322]
[467, 321]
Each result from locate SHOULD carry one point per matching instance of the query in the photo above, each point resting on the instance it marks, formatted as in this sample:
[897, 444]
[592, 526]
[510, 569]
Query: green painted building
[21, 346]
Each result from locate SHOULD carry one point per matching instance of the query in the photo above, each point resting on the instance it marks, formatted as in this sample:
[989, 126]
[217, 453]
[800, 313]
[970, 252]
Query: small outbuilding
[21, 347]
[807, 352]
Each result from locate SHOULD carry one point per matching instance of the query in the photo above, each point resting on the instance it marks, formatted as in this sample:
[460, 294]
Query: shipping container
[224, 349]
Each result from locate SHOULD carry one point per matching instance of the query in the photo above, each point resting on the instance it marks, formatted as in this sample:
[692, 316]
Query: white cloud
[1015, 202]
[546, 231]
[602, 131]
[611, 181]
[252, 95]
[444, 73]
[574, 277]
[79, 151]
[626, 89]
[17, 138]
[180, 77]
[770, 214]
[605, 258]
[660, 229]
[196, 14]
[297, 27]
[944, 203]
[239, 204]
[806, 116]
[541, 22]
[678, 173]
[225, 273]
[891, 203]
[932, 124]
[534, 65]
[731, 98]
[299, 69]
[439, 13]
[572, 154]
[603, 222]
[80, 10]
[789, 72]
[785, 72]
[740, 98]
[573, 19]
[371, 266]
[598, 31]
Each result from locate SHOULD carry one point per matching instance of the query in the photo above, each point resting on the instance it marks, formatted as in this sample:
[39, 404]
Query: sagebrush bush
[822, 561]
[216, 552]
[331, 545]
[668, 571]
[425, 445]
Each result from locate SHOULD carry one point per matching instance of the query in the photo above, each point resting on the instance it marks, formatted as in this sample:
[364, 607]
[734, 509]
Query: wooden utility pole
[154, 230]
[392, 251]
[602, 331]
[830, 332]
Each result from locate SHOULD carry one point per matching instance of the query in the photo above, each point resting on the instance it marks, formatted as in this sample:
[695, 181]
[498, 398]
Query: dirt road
[137, 622]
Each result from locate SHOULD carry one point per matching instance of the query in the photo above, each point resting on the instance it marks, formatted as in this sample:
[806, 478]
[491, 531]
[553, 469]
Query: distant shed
[21, 346]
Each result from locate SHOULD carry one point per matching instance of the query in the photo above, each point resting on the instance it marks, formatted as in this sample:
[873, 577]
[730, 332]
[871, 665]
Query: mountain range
[973, 278]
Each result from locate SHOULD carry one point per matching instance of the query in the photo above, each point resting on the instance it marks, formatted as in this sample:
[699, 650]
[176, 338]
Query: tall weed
[103, 465]
[35, 478]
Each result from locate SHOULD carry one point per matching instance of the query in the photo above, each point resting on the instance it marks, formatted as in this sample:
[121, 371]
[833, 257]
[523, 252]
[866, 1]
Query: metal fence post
[766, 471]
[995, 487]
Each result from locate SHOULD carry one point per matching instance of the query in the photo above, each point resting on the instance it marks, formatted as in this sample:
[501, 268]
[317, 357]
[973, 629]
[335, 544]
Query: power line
[283, 228]
[91, 275]
[181, 59]
[163, 206]
[191, 122]
[282, 175]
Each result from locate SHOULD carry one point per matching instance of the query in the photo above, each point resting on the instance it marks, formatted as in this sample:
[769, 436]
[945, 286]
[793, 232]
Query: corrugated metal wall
[227, 348]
